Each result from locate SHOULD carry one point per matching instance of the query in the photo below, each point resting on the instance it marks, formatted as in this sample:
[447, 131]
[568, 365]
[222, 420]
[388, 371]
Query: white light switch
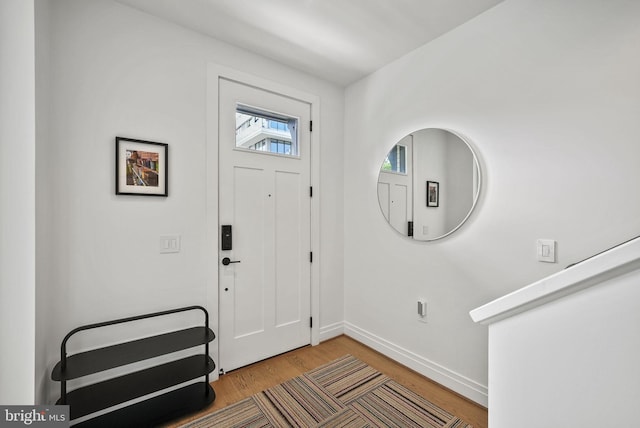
[546, 250]
[170, 244]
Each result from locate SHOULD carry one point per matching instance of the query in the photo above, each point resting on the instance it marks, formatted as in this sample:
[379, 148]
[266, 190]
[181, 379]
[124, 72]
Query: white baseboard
[448, 378]
[330, 331]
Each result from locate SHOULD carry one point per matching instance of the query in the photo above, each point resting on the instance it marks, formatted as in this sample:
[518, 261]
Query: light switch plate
[546, 250]
[169, 244]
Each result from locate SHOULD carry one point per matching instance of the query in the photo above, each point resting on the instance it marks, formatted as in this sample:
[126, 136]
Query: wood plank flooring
[239, 384]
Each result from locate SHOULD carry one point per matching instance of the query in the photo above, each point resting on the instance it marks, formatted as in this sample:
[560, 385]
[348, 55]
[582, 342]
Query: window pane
[396, 160]
[265, 131]
[402, 159]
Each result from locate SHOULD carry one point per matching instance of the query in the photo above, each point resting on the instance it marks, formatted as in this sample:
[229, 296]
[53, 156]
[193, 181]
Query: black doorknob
[227, 261]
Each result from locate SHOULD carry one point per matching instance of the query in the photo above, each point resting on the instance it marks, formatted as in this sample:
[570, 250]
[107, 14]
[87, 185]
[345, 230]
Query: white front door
[264, 195]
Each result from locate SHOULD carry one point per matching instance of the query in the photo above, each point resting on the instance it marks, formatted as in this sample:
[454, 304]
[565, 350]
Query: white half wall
[567, 344]
[115, 71]
[17, 199]
[547, 94]
[576, 358]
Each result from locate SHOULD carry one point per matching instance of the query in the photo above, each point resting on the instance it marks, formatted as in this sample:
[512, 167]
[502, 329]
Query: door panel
[384, 198]
[248, 290]
[265, 299]
[398, 216]
[288, 248]
[394, 200]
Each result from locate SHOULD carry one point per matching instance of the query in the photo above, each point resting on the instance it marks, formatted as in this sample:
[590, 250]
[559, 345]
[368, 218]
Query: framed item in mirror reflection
[433, 193]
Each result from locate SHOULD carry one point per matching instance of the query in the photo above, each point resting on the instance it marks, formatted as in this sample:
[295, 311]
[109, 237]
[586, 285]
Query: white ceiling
[337, 40]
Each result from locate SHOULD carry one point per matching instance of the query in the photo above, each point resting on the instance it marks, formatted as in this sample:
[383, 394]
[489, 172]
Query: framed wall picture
[141, 167]
[433, 193]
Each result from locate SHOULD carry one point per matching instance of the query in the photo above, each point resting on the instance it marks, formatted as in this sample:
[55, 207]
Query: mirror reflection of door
[437, 156]
[395, 185]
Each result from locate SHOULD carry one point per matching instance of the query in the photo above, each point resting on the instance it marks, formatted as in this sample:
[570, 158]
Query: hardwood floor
[239, 384]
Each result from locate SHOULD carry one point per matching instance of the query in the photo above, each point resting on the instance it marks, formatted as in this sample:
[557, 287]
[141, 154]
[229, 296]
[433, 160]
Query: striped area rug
[344, 393]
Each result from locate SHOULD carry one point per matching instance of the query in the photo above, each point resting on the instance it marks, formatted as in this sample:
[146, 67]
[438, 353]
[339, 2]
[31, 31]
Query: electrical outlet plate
[422, 310]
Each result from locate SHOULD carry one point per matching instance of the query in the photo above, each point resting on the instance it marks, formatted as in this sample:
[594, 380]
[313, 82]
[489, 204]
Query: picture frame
[141, 167]
[433, 194]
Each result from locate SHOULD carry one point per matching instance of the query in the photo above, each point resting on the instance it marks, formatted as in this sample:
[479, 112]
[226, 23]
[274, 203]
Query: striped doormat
[343, 393]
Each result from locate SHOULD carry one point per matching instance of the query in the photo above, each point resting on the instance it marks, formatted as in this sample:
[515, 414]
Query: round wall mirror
[429, 184]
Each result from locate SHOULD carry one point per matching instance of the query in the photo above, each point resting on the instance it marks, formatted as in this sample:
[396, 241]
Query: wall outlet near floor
[422, 310]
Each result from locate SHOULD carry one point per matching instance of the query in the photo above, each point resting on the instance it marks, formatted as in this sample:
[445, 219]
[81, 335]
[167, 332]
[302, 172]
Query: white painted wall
[430, 152]
[547, 92]
[114, 71]
[45, 195]
[17, 199]
[459, 192]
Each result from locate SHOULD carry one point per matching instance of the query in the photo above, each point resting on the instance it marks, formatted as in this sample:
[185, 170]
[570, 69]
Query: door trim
[214, 73]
